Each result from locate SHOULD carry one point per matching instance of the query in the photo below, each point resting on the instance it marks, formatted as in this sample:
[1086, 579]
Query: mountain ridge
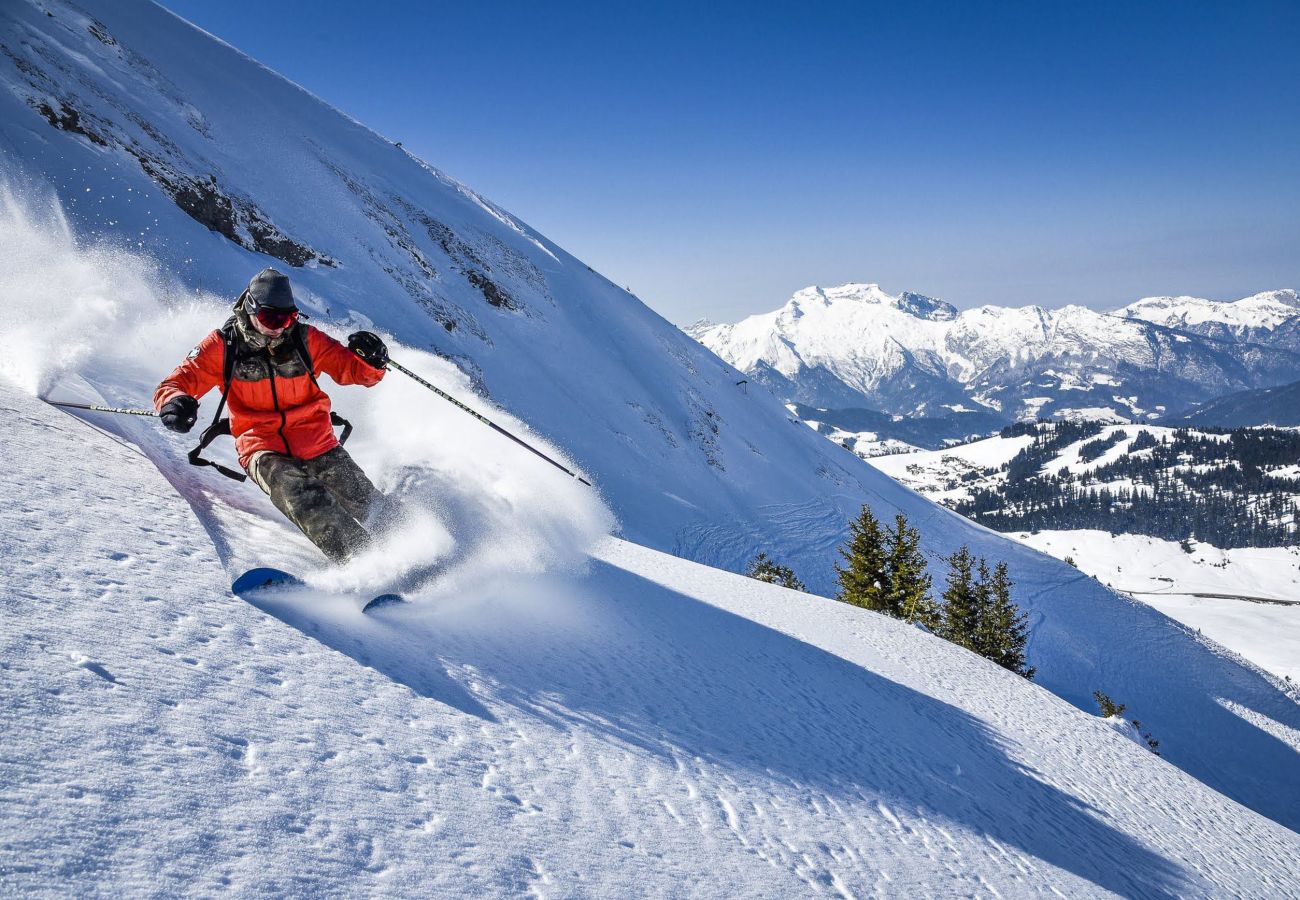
[855, 345]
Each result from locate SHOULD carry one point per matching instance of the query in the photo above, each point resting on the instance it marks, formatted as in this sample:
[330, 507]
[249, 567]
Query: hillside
[127, 128]
[574, 731]
[1230, 488]
[1266, 406]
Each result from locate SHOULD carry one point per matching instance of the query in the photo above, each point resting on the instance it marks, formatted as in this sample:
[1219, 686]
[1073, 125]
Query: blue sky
[718, 157]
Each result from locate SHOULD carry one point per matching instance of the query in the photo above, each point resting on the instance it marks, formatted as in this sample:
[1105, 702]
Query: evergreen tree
[765, 569]
[961, 601]
[1005, 627]
[862, 580]
[984, 638]
[907, 585]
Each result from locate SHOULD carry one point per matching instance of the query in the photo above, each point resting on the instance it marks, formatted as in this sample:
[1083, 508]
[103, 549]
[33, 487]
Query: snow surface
[686, 460]
[640, 725]
[1162, 574]
[1260, 311]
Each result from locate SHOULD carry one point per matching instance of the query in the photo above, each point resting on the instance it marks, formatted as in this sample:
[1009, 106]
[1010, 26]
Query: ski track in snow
[650, 727]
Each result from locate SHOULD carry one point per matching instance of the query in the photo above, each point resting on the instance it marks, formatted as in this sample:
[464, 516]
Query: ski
[261, 579]
[382, 601]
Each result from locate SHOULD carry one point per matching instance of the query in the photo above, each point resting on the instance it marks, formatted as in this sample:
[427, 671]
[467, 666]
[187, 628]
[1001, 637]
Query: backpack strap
[299, 339]
[219, 425]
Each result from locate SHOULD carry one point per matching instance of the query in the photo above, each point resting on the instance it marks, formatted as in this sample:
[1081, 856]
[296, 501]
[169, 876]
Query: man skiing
[266, 361]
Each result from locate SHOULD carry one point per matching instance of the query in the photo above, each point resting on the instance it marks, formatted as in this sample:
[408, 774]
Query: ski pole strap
[106, 409]
[485, 420]
[211, 433]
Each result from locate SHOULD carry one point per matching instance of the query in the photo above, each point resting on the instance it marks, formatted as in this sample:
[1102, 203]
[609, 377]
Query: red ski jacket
[273, 403]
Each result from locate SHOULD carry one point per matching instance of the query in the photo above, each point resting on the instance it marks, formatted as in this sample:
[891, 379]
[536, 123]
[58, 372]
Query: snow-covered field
[1162, 574]
[953, 473]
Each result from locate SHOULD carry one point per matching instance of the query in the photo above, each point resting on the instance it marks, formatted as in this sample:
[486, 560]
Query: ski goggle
[274, 318]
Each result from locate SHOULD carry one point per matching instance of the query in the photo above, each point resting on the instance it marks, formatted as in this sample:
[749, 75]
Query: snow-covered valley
[1246, 598]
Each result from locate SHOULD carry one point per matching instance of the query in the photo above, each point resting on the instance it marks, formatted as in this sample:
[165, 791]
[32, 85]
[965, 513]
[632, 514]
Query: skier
[266, 361]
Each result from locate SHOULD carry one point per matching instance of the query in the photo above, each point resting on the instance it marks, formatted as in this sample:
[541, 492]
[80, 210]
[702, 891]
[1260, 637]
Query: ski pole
[485, 420]
[108, 409]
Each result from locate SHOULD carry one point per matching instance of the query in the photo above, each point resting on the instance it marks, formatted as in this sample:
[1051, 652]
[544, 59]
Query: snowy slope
[857, 345]
[1247, 599]
[143, 126]
[153, 126]
[643, 726]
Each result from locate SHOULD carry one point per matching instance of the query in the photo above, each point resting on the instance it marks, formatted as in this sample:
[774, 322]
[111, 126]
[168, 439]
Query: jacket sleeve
[200, 372]
[338, 362]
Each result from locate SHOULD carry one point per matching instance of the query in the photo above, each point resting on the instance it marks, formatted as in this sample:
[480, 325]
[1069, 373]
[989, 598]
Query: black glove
[179, 413]
[369, 347]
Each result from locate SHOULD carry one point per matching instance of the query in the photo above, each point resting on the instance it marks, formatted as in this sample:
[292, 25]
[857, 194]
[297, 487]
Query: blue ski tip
[381, 601]
[262, 578]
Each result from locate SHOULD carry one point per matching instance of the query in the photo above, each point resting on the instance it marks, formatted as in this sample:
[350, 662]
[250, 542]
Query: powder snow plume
[95, 322]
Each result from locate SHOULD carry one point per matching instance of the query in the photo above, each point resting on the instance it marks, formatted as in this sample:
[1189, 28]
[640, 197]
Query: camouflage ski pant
[329, 498]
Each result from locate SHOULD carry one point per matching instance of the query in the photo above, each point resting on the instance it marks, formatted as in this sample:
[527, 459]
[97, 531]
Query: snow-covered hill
[857, 346]
[1265, 406]
[638, 726]
[153, 135]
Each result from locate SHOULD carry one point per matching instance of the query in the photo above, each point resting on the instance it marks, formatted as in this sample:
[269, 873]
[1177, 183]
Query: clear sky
[716, 157]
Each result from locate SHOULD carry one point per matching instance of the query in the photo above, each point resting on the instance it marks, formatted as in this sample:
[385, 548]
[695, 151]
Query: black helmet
[269, 299]
[268, 289]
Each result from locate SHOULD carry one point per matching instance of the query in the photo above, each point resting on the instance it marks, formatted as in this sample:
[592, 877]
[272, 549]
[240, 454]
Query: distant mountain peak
[869, 294]
[1265, 310]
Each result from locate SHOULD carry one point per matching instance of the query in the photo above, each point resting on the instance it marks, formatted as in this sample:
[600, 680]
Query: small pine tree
[961, 601]
[1110, 708]
[862, 579]
[907, 585]
[984, 638]
[1004, 626]
[765, 569]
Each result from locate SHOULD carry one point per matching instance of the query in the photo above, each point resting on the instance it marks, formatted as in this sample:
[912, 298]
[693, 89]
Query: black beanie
[269, 288]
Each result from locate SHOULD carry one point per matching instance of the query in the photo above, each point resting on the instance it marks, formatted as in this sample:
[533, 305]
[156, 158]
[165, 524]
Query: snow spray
[88, 321]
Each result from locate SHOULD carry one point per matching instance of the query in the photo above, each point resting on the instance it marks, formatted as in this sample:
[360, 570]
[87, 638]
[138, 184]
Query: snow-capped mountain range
[857, 346]
[172, 167]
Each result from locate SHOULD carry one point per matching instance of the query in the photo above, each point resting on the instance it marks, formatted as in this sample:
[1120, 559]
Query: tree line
[883, 570]
[1214, 485]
